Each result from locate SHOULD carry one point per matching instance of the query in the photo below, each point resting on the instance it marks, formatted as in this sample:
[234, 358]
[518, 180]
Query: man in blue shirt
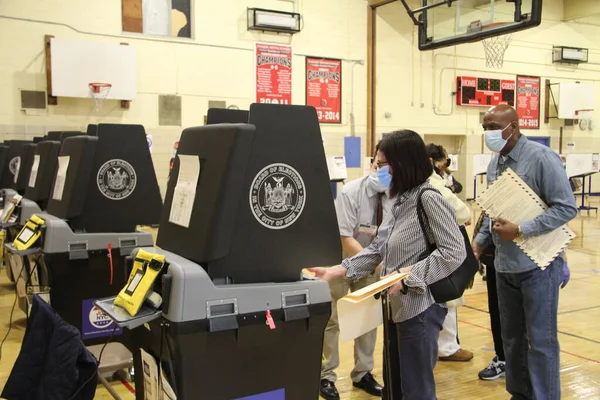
[527, 295]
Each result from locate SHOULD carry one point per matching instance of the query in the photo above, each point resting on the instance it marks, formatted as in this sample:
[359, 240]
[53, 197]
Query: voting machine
[248, 206]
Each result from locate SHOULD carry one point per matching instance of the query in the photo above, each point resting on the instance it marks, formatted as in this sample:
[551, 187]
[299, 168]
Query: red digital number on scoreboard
[484, 92]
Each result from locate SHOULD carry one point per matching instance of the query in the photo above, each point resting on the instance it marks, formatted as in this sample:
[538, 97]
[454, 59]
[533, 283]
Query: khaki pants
[364, 346]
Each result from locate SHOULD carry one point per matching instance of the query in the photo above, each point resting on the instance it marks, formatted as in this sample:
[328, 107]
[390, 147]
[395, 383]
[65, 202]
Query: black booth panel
[3, 164]
[39, 139]
[79, 173]
[64, 135]
[92, 129]
[223, 151]
[54, 135]
[225, 116]
[48, 153]
[286, 136]
[15, 150]
[123, 190]
[25, 167]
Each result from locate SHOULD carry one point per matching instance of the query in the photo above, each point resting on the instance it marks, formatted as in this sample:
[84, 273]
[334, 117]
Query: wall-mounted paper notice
[34, 170]
[185, 190]
[61, 177]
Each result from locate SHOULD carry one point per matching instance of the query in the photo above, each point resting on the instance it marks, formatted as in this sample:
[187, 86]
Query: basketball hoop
[586, 119]
[98, 92]
[495, 46]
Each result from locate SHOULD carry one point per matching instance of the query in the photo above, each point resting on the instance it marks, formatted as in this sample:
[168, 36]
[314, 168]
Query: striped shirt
[400, 243]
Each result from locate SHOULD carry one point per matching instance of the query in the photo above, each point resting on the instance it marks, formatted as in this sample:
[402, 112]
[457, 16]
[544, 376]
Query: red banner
[273, 73]
[324, 88]
[528, 101]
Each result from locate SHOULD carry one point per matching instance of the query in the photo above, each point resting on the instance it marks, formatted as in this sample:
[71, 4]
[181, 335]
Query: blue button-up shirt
[543, 171]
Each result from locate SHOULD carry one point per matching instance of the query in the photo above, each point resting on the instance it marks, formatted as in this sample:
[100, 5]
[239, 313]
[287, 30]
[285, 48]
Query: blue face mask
[384, 176]
[375, 184]
[494, 140]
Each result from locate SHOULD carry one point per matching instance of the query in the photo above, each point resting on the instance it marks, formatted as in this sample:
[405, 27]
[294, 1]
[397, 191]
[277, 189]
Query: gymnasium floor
[579, 326]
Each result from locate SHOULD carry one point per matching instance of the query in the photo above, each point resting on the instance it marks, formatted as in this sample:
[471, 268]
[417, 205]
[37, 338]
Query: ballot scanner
[102, 188]
[248, 207]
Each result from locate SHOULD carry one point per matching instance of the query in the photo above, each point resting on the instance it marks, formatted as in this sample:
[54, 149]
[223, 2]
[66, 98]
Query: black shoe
[369, 385]
[328, 390]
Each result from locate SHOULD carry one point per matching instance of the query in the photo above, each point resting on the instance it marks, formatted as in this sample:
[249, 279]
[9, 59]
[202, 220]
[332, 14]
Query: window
[158, 17]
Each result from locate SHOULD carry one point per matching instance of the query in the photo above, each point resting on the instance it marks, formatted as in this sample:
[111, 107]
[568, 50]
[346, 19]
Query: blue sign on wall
[94, 323]
[352, 151]
[274, 395]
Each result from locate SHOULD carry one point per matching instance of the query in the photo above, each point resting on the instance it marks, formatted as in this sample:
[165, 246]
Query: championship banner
[324, 88]
[273, 73]
[528, 101]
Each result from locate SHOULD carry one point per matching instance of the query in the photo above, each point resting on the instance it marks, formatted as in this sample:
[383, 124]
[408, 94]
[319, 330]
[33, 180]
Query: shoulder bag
[453, 286]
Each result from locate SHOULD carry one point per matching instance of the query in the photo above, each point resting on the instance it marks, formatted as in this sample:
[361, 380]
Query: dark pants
[492, 295]
[528, 309]
[410, 354]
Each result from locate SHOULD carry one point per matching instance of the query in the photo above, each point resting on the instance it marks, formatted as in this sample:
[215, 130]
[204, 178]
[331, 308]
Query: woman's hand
[397, 287]
[328, 274]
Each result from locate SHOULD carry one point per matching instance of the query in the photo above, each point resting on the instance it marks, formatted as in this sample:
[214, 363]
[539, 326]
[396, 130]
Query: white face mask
[494, 140]
[375, 183]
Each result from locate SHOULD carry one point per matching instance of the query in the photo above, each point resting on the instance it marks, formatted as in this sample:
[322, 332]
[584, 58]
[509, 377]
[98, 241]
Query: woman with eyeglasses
[415, 319]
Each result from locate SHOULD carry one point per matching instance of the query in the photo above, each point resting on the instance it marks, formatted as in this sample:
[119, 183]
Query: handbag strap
[423, 218]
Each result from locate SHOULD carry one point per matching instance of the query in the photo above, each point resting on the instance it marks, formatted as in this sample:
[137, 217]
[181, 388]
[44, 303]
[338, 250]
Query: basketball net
[98, 92]
[495, 47]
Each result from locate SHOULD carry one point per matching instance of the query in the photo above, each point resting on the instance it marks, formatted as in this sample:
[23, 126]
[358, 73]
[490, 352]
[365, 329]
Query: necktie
[379, 209]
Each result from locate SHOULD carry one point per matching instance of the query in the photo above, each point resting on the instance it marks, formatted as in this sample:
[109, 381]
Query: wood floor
[579, 326]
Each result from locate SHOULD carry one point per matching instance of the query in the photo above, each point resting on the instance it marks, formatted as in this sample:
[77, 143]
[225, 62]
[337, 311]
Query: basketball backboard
[444, 23]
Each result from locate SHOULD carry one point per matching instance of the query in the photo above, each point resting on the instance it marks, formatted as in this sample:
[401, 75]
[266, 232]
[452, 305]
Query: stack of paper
[510, 198]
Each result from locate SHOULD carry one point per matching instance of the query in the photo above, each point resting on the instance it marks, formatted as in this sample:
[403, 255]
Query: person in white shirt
[448, 347]
[360, 208]
[441, 165]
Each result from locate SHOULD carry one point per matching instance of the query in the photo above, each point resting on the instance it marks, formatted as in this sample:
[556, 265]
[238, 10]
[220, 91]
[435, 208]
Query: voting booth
[247, 208]
[101, 189]
[11, 162]
[34, 177]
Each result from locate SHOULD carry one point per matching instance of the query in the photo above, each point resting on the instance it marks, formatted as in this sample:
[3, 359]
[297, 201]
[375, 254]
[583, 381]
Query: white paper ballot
[61, 177]
[185, 190]
[150, 373]
[510, 198]
[34, 170]
[9, 207]
[356, 319]
[152, 389]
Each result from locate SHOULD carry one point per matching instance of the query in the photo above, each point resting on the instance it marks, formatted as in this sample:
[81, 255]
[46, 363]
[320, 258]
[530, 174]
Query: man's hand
[476, 250]
[328, 274]
[566, 275]
[505, 229]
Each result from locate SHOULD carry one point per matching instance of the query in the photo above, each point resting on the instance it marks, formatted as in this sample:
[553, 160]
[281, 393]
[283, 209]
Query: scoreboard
[484, 92]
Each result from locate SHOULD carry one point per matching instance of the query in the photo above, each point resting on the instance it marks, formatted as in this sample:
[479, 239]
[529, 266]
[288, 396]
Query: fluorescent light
[271, 20]
[275, 20]
[573, 54]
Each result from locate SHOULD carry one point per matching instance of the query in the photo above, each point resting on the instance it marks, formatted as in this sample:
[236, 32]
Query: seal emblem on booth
[14, 165]
[116, 179]
[277, 196]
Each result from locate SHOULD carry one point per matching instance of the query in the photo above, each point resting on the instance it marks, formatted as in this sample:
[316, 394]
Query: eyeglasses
[381, 164]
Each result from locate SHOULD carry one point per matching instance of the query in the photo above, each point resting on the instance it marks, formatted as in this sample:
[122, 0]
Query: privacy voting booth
[101, 189]
[248, 206]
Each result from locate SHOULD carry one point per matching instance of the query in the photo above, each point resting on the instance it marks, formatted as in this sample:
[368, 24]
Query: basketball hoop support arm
[425, 7]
